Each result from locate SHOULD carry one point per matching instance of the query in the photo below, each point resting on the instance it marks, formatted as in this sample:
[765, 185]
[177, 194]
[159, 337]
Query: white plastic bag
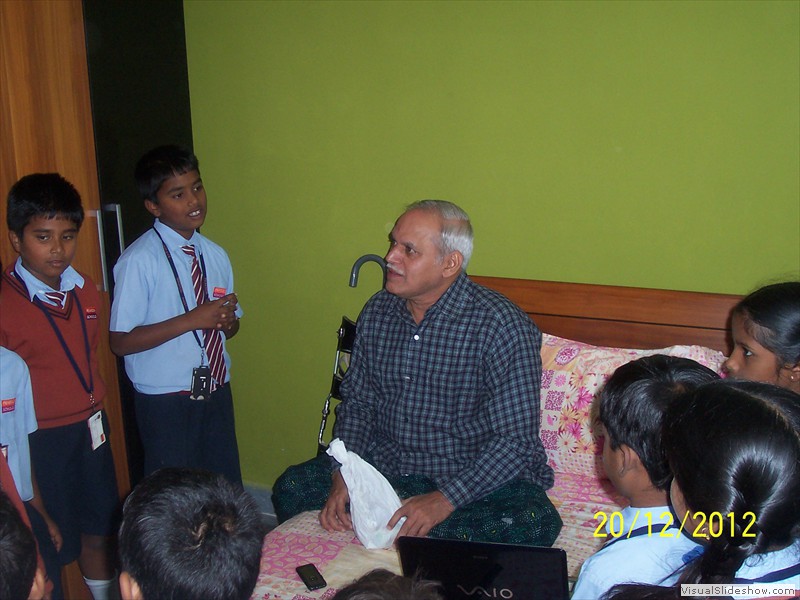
[373, 501]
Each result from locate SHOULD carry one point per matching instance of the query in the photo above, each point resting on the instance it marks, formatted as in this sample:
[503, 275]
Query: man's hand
[422, 514]
[334, 516]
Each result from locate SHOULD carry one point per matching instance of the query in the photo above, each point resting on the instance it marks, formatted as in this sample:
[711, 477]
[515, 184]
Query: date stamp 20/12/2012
[701, 525]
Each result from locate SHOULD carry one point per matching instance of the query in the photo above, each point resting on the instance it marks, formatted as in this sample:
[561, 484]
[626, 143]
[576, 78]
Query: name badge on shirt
[8, 405]
[96, 430]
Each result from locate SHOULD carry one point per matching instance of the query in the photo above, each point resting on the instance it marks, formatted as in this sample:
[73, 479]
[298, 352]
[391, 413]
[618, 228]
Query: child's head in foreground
[381, 584]
[734, 450]
[631, 406]
[766, 334]
[17, 552]
[44, 216]
[168, 178]
[188, 533]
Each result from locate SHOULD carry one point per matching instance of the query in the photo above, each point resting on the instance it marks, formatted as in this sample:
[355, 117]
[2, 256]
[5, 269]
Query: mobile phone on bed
[311, 577]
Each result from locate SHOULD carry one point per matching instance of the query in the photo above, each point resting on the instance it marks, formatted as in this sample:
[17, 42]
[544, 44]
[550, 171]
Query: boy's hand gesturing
[218, 314]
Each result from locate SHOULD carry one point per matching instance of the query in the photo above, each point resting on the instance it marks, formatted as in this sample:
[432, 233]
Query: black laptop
[479, 570]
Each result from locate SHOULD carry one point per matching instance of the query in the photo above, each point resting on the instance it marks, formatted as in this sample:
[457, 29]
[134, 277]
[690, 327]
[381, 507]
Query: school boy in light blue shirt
[173, 310]
[643, 543]
[17, 422]
[17, 419]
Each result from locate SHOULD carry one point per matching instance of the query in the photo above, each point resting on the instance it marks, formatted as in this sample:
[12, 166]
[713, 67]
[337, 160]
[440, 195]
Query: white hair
[456, 228]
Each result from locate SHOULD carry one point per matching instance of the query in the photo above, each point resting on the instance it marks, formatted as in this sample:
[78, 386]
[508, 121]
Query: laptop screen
[478, 570]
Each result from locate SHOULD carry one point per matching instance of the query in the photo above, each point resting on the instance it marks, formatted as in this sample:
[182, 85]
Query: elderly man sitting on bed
[441, 396]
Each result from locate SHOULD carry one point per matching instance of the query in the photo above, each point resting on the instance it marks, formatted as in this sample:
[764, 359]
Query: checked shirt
[455, 398]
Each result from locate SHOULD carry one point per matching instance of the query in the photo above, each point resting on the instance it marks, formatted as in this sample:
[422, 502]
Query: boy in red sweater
[50, 318]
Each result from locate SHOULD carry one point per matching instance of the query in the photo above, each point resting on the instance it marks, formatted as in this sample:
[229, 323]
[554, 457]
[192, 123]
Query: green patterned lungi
[517, 513]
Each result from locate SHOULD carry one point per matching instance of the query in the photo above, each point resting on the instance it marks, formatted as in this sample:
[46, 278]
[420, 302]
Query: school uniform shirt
[146, 292]
[64, 392]
[781, 567]
[17, 419]
[644, 557]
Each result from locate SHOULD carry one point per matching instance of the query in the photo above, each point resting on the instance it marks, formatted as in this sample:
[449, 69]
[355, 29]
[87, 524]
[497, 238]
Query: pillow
[572, 372]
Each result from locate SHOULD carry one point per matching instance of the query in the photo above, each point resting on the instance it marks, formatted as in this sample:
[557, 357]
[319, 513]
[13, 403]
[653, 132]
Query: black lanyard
[638, 532]
[87, 386]
[773, 577]
[180, 287]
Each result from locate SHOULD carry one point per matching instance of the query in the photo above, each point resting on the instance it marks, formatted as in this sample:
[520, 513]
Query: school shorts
[78, 484]
[179, 432]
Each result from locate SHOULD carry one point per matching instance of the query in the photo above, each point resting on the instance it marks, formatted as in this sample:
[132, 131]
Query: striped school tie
[212, 337]
[56, 298]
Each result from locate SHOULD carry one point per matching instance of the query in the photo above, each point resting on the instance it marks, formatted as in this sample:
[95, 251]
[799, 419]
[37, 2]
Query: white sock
[103, 589]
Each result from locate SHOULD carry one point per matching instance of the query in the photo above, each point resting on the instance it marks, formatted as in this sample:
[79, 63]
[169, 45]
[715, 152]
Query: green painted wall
[646, 143]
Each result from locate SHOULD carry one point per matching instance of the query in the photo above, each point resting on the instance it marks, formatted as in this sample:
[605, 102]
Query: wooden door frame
[46, 126]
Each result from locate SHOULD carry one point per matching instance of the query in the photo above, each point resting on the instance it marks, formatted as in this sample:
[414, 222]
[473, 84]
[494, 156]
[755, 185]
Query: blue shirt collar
[173, 239]
[70, 278]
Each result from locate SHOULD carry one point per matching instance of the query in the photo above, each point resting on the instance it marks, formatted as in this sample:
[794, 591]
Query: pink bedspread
[578, 498]
[340, 558]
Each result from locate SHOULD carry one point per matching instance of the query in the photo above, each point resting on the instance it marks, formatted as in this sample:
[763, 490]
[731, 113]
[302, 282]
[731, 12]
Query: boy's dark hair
[633, 402]
[771, 315]
[17, 552]
[158, 165]
[46, 195]
[381, 584]
[189, 533]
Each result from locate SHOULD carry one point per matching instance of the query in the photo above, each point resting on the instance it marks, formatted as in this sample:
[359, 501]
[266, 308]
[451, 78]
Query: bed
[588, 330]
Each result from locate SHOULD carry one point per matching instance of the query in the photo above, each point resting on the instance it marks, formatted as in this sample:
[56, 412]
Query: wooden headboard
[623, 317]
